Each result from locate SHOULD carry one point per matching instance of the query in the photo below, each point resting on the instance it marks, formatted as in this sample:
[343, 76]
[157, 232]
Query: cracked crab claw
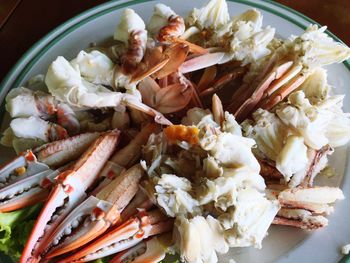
[152, 250]
[66, 84]
[127, 235]
[96, 214]
[68, 191]
[26, 179]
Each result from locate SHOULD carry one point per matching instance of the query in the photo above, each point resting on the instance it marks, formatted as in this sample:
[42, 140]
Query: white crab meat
[345, 249]
[318, 49]
[31, 128]
[268, 131]
[300, 115]
[20, 102]
[247, 222]
[213, 15]
[94, 66]
[222, 179]
[316, 195]
[66, 84]
[129, 22]
[199, 239]
[234, 151]
[223, 190]
[172, 193]
[293, 157]
[250, 40]
[230, 125]
[159, 19]
[315, 87]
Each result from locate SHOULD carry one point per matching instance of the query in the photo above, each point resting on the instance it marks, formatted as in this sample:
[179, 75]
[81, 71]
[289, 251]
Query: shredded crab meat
[206, 170]
[225, 180]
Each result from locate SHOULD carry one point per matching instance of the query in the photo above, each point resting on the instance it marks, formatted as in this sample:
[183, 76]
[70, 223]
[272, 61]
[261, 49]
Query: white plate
[283, 244]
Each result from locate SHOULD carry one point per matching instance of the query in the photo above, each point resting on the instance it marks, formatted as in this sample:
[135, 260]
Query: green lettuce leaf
[103, 260]
[15, 228]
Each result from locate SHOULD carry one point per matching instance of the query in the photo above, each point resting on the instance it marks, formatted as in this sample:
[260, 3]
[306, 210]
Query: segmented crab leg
[125, 157]
[177, 54]
[207, 78]
[26, 179]
[96, 214]
[127, 235]
[246, 98]
[281, 93]
[222, 81]
[150, 251]
[201, 62]
[32, 189]
[140, 201]
[68, 192]
[305, 207]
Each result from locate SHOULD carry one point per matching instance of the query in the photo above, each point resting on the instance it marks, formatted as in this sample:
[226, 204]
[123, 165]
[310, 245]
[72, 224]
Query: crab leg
[140, 201]
[125, 157]
[281, 93]
[222, 81]
[26, 179]
[127, 235]
[96, 214]
[28, 191]
[305, 207]
[245, 99]
[68, 192]
[150, 251]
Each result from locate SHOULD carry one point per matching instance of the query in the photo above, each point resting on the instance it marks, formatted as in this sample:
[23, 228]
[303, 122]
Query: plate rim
[18, 71]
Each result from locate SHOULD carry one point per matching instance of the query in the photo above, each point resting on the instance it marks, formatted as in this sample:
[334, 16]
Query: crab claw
[68, 192]
[26, 179]
[140, 201]
[32, 189]
[125, 157]
[97, 213]
[127, 235]
[150, 251]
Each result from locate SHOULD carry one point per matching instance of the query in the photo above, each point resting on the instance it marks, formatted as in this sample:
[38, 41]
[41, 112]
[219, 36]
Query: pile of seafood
[185, 136]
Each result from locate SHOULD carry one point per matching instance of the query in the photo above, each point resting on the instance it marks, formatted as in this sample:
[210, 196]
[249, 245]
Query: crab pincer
[69, 190]
[124, 236]
[96, 214]
[27, 179]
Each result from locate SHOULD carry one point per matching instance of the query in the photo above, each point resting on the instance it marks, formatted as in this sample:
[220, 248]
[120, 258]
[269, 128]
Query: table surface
[23, 22]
